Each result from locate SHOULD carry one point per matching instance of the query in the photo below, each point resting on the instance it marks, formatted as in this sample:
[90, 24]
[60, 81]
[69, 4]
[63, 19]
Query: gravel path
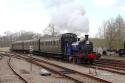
[109, 76]
[6, 74]
[34, 76]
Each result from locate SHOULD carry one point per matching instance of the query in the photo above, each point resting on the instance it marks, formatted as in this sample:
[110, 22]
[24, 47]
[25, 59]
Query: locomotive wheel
[85, 61]
[91, 61]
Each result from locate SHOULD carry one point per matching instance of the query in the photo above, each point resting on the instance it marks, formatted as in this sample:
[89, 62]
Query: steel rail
[11, 67]
[39, 61]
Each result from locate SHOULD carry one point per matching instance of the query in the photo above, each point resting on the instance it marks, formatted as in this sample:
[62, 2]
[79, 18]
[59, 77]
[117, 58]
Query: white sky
[31, 15]
[25, 15]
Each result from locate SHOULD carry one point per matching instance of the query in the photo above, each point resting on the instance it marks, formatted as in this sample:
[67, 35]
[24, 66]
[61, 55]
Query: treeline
[10, 37]
[112, 33]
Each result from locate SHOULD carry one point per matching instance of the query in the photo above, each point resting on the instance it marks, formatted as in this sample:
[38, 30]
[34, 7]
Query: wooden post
[31, 53]
[96, 70]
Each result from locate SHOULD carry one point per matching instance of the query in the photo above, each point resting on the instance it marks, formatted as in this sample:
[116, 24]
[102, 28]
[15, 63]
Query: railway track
[17, 74]
[115, 66]
[78, 77]
[115, 63]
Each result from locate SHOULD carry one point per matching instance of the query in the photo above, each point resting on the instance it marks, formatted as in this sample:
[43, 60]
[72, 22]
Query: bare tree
[50, 30]
[112, 31]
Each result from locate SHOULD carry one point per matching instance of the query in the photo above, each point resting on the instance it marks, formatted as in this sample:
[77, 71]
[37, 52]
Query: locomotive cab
[67, 39]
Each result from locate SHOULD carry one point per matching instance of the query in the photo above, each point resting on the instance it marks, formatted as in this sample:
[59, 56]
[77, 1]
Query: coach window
[27, 43]
[51, 43]
[42, 43]
[31, 43]
[46, 43]
[35, 43]
[57, 42]
[54, 43]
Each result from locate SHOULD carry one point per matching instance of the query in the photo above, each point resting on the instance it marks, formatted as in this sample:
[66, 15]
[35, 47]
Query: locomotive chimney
[86, 37]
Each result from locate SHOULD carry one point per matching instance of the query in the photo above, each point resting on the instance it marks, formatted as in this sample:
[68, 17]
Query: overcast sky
[35, 15]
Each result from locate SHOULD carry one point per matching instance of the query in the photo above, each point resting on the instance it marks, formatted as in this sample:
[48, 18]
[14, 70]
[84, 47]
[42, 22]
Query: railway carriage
[17, 46]
[51, 45]
[56, 45]
[34, 43]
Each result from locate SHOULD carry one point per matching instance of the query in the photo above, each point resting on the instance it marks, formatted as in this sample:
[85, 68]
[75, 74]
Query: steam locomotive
[56, 46]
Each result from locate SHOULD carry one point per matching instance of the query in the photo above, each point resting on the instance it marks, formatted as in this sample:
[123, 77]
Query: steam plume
[67, 15]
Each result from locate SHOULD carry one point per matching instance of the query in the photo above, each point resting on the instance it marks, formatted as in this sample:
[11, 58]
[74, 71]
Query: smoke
[67, 15]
